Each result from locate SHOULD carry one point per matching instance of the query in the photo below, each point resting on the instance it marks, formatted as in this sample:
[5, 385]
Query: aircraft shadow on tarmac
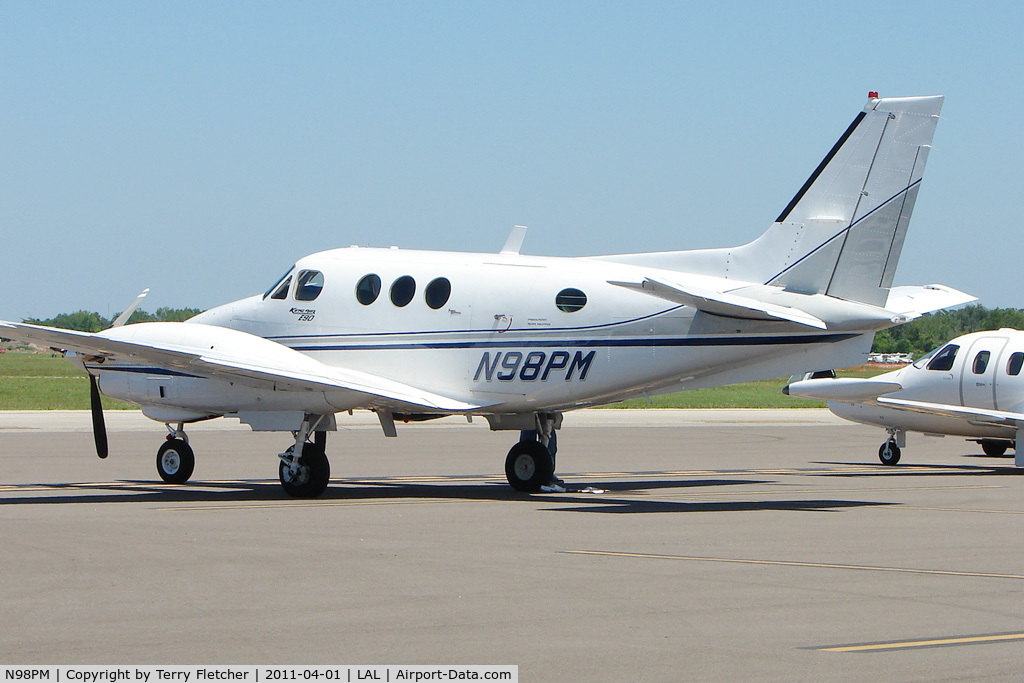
[923, 469]
[611, 500]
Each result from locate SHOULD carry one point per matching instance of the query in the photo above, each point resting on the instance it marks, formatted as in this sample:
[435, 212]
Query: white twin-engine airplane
[517, 339]
[970, 387]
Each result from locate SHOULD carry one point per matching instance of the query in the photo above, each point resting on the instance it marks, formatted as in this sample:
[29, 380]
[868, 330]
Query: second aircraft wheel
[175, 461]
[994, 449]
[528, 466]
[312, 475]
[889, 453]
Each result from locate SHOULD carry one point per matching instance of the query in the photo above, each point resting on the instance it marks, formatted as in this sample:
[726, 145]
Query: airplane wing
[981, 416]
[722, 303]
[221, 353]
[847, 389]
[853, 390]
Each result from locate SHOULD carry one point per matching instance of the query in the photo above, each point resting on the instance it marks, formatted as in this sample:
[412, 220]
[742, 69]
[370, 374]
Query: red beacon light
[873, 94]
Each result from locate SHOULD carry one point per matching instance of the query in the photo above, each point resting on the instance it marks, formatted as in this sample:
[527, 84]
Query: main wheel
[528, 466]
[889, 453]
[312, 475]
[175, 461]
[994, 449]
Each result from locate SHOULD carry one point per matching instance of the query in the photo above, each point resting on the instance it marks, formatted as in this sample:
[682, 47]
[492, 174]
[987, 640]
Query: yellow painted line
[987, 512]
[937, 642]
[782, 563]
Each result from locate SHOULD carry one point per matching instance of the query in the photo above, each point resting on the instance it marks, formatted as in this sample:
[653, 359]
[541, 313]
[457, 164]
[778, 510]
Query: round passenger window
[403, 290]
[437, 292]
[570, 300]
[368, 289]
[309, 286]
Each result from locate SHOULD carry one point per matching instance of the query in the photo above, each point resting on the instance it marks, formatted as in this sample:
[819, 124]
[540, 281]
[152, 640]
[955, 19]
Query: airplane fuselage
[510, 332]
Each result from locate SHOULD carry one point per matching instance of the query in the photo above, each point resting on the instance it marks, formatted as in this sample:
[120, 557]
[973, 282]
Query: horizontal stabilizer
[722, 303]
[914, 301]
[849, 389]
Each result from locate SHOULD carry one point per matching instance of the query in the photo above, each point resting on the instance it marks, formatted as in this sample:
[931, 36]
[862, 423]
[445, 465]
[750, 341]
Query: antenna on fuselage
[515, 240]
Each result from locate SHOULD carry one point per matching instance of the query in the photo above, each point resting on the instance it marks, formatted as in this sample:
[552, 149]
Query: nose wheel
[889, 452]
[175, 461]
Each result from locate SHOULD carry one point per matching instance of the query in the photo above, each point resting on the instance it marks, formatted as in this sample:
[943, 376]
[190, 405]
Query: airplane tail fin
[848, 222]
[843, 231]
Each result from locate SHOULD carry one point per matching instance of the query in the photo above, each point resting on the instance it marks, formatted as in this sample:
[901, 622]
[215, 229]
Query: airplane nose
[785, 390]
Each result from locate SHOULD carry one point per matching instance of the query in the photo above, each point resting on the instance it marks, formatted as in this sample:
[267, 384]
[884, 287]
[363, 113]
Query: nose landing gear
[889, 452]
[175, 459]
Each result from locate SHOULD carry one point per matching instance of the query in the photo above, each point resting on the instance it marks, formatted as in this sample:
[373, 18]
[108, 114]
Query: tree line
[920, 336]
[90, 321]
[917, 337]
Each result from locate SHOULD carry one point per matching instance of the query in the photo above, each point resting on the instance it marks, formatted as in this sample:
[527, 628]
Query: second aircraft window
[403, 290]
[981, 362]
[1016, 361]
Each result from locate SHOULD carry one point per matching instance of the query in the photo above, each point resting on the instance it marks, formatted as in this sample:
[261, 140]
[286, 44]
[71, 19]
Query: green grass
[43, 381]
[46, 382]
[766, 393]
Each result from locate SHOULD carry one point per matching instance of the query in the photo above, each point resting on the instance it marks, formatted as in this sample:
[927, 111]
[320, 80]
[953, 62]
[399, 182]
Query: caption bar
[255, 674]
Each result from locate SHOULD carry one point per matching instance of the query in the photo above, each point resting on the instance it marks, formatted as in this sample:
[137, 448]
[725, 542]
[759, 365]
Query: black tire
[313, 476]
[889, 453]
[528, 466]
[175, 461]
[994, 449]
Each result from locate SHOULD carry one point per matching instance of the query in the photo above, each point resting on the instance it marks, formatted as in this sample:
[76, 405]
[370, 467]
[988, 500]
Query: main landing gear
[995, 448]
[307, 474]
[304, 470]
[530, 465]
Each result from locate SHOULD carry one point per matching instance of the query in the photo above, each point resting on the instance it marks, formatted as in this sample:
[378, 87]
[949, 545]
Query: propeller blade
[99, 427]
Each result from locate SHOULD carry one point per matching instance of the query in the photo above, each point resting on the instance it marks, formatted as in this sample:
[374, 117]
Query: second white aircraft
[971, 387]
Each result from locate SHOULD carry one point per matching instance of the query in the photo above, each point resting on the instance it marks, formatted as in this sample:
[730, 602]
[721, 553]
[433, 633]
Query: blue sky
[200, 148]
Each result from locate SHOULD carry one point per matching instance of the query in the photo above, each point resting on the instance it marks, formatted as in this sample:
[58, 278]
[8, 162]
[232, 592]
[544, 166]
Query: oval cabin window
[368, 289]
[403, 290]
[437, 292]
[570, 300]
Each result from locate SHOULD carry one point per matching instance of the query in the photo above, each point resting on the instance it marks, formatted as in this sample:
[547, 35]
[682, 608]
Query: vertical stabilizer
[854, 210]
[843, 231]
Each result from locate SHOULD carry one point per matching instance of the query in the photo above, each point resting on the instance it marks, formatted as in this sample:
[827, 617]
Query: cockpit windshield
[923, 360]
[274, 287]
[943, 360]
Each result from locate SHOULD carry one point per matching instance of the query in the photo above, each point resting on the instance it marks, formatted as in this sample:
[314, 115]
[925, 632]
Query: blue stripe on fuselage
[600, 343]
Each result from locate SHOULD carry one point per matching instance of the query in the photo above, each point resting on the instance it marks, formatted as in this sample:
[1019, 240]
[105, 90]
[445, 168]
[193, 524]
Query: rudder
[851, 216]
